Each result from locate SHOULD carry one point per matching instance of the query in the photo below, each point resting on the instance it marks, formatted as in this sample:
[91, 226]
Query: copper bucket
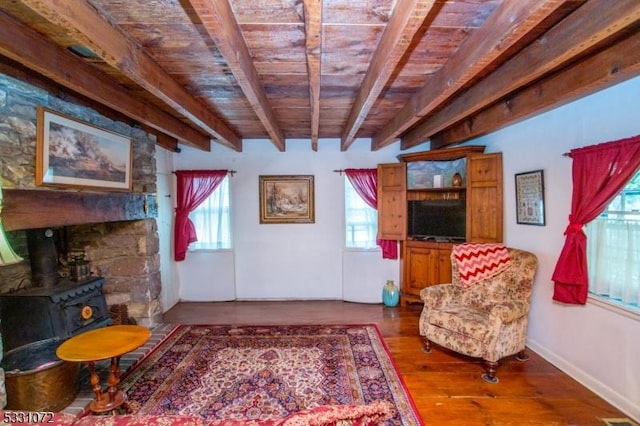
[37, 380]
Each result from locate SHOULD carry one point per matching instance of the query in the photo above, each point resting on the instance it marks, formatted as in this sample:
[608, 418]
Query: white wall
[208, 276]
[286, 261]
[168, 271]
[598, 347]
[362, 274]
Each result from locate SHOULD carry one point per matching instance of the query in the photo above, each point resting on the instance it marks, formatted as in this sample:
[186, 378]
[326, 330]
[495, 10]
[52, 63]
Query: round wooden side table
[109, 342]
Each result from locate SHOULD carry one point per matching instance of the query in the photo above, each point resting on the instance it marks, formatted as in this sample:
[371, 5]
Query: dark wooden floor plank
[446, 387]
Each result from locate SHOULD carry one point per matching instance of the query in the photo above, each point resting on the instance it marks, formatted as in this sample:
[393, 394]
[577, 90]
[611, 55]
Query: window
[212, 220]
[360, 219]
[613, 248]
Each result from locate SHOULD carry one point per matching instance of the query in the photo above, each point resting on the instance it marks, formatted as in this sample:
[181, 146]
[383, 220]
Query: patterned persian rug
[266, 372]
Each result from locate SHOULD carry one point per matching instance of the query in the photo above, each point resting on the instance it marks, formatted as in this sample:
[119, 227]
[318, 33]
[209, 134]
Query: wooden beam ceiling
[512, 21]
[415, 70]
[313, 45]
[406, 20]
[219, 22]
[90, 29]
[611, 66]
[38, 54]
[576, 35]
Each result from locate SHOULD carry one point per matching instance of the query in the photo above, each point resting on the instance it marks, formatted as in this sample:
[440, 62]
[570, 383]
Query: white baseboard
[630, 408]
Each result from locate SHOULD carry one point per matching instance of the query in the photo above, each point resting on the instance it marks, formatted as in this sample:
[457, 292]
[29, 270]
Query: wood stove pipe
[43, 257]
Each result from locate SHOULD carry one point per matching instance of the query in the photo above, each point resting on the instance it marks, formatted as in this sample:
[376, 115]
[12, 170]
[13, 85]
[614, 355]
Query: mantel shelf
[40, 208]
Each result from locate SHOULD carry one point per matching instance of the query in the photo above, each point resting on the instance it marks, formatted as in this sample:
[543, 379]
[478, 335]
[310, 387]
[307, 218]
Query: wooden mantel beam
[43, 208]
[79, 19]
[28, 48]
[313, 44]
[219, 21]
[584, 29]
[506, 26]
[407, 17]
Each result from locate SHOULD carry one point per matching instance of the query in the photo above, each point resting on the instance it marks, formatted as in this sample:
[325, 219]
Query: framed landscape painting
[286, 199]
[72, 153]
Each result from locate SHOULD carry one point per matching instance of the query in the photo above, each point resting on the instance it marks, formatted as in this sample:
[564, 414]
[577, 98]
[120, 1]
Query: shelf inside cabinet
[452, 193]
[446, 189]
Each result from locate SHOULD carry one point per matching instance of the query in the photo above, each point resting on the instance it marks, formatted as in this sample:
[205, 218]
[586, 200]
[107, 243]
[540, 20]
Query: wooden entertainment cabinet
[428, 176]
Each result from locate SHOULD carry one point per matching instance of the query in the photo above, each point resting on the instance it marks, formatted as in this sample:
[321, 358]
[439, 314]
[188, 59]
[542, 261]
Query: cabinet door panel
[422, 265]
[485, 217]
[425, 264]
[484, 168]
[444, 265]
[484, 198]
[392, 176]
[392, 201]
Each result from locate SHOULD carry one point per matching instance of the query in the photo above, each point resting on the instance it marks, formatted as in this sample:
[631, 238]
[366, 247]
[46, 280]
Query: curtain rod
[566, 154]
[341, 171]
[231, 172]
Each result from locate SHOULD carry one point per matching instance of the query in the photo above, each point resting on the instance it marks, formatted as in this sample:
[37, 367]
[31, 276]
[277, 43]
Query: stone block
[138, 310]
[117, 298]
[150, 245]
[155, 285]
[133, 266]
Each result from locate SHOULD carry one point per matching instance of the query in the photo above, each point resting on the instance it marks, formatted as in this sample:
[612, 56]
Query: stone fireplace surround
[124, 252]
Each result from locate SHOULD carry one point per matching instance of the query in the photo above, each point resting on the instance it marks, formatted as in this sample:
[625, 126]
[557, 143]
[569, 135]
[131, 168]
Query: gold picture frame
[72, 153]
[530, 198]
[286, 199]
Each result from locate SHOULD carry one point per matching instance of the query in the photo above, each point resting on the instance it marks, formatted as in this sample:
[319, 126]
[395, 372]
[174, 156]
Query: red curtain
[365, 182]
[194, 186]
[600, 172]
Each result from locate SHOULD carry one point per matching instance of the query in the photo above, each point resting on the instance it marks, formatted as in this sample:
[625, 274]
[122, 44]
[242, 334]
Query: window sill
[209, 250]
[616, 307]
[361, 249]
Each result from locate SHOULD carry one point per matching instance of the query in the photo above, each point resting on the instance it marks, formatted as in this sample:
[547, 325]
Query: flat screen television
[437, 220]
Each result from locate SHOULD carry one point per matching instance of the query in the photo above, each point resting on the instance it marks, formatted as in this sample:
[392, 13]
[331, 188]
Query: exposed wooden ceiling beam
[585, 28]
[407, 17]
[28, 48]
[313, 41]
[220, 23]
[506, 26]
[613, 65]
[167, 142]
[89, 28]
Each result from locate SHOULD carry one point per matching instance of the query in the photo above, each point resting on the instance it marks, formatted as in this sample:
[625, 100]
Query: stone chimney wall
[126, 254]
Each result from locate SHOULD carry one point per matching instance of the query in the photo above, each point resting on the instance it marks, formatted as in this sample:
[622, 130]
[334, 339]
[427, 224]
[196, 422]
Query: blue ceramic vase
[390, 294]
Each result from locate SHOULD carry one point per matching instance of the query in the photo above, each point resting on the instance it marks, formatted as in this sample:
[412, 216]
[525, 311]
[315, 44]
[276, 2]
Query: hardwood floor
[446, 388]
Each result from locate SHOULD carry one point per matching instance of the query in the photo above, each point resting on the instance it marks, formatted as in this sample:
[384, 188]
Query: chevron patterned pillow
[477, 262]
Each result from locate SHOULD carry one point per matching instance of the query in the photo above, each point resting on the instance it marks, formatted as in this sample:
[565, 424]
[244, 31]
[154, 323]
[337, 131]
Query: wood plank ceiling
[196, 71]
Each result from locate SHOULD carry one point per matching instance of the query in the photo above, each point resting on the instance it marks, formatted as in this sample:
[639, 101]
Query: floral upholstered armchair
[484, 312]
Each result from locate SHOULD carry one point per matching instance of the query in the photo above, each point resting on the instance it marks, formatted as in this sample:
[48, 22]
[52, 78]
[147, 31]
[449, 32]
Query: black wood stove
[64, 310]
